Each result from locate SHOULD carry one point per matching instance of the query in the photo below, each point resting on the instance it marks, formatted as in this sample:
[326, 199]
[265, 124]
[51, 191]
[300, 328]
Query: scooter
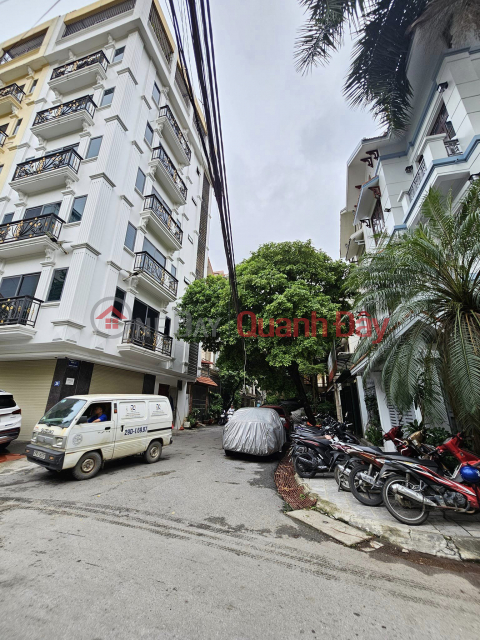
[412, 489]
[223, 418]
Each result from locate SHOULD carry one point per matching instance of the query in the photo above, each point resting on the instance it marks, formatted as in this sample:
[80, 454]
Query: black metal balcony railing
[85, 103]
[421, 171]
[166, 111]
[159, 153]
[160, 33]
[94, 58]
[3, 137]
[452, 147]
[155, 205]
[57, 160]
[144, 262]
[12, 90]
[48, 225]
[19, 310]
[139, 334]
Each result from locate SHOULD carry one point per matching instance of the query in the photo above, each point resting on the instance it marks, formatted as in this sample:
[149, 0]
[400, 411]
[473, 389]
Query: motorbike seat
[371, 449]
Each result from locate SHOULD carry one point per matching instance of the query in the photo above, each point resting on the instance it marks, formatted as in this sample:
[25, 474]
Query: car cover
[259, 432]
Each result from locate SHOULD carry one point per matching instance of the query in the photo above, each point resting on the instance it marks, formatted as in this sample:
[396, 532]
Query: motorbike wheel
[341, 480]
[401, 507]
[363, 493]
[305, 470]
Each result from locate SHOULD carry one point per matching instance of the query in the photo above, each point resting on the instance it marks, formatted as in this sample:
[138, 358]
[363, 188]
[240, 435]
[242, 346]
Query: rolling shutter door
[29, 381]
[112, 380]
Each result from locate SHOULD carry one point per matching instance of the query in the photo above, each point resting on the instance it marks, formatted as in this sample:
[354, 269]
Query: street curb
[458, 548]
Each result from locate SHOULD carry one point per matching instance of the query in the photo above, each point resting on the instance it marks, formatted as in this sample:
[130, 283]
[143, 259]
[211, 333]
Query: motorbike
[314, 449]
[411, 489]
[223, 418]
[362, 468]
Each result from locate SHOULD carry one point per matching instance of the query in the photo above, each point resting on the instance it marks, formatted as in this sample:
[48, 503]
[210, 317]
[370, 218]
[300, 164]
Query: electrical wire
[203, 49]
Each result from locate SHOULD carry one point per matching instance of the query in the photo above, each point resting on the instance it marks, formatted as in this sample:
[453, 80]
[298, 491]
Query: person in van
[98, 415]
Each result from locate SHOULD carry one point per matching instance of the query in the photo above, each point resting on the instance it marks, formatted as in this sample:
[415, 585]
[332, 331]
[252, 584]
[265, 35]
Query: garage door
[113, 380]
[30, 382]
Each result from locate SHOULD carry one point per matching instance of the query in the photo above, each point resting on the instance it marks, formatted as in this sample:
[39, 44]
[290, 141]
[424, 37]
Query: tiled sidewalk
[444, 534]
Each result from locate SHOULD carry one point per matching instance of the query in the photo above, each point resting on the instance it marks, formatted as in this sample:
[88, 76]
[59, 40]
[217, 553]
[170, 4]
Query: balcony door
[144, 315]
[16, 286]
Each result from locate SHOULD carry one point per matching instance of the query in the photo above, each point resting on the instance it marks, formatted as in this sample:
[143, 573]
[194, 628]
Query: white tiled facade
[131, 60]
[388, 177]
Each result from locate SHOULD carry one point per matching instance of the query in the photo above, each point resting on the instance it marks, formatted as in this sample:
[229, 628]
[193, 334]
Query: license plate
[39, 454]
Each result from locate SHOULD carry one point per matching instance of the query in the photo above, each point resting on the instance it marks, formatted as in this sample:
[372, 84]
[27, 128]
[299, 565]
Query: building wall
[93, 249]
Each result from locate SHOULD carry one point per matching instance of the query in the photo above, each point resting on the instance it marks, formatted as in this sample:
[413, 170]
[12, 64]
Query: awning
[366, 201]
[207, 381]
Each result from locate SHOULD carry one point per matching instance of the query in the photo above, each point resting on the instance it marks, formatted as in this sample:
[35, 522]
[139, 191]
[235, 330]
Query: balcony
[49, 172]
[168, 176]
[138, 340]
[29, 237]
[18, 316]
[79, 73]
[155, 278]
[170, 129]
[417, 180]
[64, 119]
[162, 223]
[10, 96]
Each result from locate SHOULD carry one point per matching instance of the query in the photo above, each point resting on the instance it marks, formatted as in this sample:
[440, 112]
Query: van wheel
[153, 452]
[88, 466]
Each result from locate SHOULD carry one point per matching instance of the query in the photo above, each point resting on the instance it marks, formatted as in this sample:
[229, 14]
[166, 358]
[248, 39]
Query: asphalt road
[197, 546]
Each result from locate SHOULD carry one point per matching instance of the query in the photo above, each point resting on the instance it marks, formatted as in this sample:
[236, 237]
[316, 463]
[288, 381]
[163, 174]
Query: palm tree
[428, 283]
[384, 28]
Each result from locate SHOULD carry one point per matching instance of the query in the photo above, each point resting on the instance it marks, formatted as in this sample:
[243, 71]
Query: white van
[81, 432]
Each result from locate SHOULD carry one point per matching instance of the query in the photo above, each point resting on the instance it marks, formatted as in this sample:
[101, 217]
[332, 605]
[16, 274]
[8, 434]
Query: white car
[10, 419]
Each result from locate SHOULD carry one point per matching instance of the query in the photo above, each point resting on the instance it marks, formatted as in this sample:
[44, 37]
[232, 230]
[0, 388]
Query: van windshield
[62, 414]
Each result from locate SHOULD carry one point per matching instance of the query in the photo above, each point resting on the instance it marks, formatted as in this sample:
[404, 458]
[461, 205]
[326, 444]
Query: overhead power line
[201, 34]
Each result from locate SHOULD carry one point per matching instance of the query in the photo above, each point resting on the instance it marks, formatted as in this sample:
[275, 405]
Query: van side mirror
[83, 420]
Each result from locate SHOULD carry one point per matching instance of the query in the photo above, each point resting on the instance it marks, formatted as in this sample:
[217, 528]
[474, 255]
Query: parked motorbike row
[410, 483]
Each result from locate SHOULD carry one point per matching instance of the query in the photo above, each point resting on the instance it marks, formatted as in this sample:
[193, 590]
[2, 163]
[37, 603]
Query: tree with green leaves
[384, 28]
[428, 283]
[276, 284]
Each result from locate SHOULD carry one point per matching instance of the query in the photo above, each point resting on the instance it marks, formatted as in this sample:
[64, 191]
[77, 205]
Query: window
[107, 97]
[42, 210]
[78, 209]
[19, 286]
[34, 84]
[3, 128]
[1, 167]
[154, 252]
[119, 301]
[156, 93]
[198, 171]
[130, 237]
[8, 217]
[190, 238]
[94, 147]
[69, 146]
[118, 55]
[58, 282]
[149, 134]
[140, 181]
[166, 329]
[186, 280]
[173, 271]
[144, 314]
[17, 126]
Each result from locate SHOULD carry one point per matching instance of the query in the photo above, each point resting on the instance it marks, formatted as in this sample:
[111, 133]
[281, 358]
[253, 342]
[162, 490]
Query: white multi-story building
[388, 177]
[104, 216]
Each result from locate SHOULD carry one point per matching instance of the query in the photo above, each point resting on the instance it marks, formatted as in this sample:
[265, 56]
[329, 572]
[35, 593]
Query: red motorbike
[411, 489]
